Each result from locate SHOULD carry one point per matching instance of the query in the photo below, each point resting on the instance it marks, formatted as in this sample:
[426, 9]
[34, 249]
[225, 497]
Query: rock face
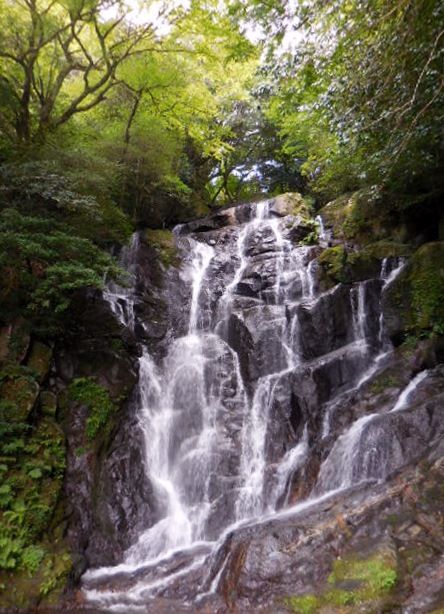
[271, 441]
[413, 302]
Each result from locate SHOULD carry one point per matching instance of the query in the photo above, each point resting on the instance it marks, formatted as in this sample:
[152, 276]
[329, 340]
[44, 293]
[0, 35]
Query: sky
[140, 12]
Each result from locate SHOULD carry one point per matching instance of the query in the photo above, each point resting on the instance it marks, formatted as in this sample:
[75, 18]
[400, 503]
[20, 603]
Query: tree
[359, 89]
[59, 58]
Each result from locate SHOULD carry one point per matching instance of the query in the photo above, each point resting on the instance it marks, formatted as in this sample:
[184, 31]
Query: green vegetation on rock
[353, 583]
[164, 244]
[333, 261]
[96, 398]
[414, 301]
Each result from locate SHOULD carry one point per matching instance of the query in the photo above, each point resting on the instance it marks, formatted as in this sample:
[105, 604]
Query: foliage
[61, 59]
[86, 391]
[163, 242]
[427, 288]
[52, 238]
[31, 479]
[359, 90]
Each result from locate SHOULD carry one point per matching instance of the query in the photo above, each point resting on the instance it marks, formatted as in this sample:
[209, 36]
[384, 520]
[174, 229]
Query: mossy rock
[358, 581]
[35, 561]
[164, 243]
[342, 265]
[387, 249]
[40, 360]
[359, 216]
[28, 589]
[414, 301]
[333, 261]
[291, 203]
[19, 395]
[96, 398]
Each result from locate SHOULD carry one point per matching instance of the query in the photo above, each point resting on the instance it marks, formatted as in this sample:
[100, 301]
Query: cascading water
[208, 409]
[358, 455]
[120, 298]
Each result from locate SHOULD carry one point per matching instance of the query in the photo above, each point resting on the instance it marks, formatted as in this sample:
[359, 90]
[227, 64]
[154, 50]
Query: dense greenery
[358, 90]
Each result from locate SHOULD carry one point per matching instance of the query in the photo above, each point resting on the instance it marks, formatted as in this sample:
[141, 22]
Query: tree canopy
[111, 119]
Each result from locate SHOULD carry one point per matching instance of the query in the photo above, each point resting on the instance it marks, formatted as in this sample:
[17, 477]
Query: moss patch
[87, 392]
[353, 582]
[389, 378]
[360, 216]
[427, 287]
[163, 242]
[347, 266]
[416, 297]
[387, 249]
[18, 393]
[333, 260]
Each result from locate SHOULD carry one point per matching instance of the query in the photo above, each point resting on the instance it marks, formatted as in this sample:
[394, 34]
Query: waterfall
[119, 298]
[201, 259]
[290, 462]
[323, 236]
[352, 458]
[227, 413]
[408, 391]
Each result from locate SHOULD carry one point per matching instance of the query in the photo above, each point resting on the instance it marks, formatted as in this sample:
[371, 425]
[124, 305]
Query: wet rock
[303, 350]
[349, 548]
[259, 348]
[326, 323]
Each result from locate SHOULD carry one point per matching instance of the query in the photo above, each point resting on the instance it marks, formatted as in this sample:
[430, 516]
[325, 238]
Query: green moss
[333, 260]
[303, 604]
[163, 242]
[416, 296]
[48, 403]
[383, 382]
[426, 278]
[20, 393]
[352, 583]
[360, 216]
[387, 249]
[375, 576]
[86, 391]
